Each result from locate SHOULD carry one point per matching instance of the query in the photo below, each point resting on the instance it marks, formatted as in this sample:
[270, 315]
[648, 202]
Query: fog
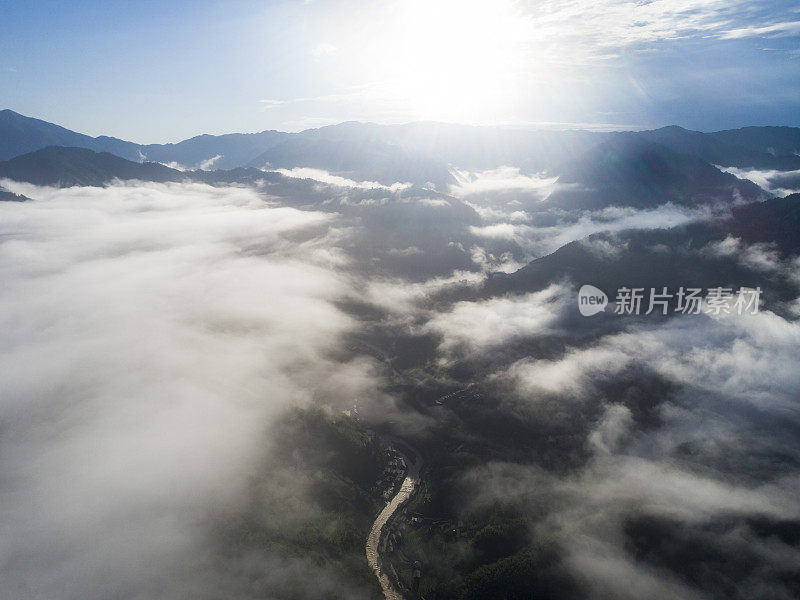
[708, 459]
[155, 336]
[780, 183]
[151, 336]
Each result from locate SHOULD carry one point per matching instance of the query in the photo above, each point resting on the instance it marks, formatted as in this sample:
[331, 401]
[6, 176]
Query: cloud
[502, 178]
[502, 231]
[615, 219]
[773, 30]
[432, 202]
[410, 251]
[404, 298]
[325, 177]
[720, 456]
[206, 165]
[481, 325]
[324, 50]
[509, 205]
[172, 164]
[489, 214]
[269, 104]
[724, 354]
[613, 427]
[759, 257]
[603, 247]
[588, 514]
[488, 261]
[558, 230]
[771, 180]
[151, 335]
[616, 24]
[572, 375]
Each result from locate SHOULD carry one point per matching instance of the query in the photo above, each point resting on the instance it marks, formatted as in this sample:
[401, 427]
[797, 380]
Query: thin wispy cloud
[324, 50]
[269, 104]
[618, 23]
[774, 30]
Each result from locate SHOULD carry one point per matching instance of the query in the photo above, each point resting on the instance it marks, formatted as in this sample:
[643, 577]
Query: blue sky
[163, 71]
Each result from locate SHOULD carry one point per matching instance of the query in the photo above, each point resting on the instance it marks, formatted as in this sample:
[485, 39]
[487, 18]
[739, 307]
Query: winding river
[410, 482]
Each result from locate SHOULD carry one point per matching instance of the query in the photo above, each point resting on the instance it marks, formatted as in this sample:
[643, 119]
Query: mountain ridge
[475, 147]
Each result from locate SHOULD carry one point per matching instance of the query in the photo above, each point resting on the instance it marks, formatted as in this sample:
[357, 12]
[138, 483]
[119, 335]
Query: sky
[154, 71]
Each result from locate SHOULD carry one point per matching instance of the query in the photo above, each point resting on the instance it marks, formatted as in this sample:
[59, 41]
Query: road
[410, 481]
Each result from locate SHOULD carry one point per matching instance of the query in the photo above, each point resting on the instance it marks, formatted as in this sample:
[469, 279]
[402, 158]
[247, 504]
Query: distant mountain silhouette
[64, 167]
[470, 147]
[479, 148]
[749, 147]
[20, 134]
[363, 160]
[233, 149]
[427, 145]
[60, 166]
[633, 172]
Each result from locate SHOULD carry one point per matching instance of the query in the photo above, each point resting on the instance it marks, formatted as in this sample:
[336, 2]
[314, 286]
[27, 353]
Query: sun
[453, 60]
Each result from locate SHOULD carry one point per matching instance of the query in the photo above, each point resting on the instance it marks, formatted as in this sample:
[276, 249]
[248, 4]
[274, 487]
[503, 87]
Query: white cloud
[763, 178]
[409, 251]
[774, 30]
[325, 177]
[268, 104]
[541, 240]
[571, 375]
[174, 165]
[616, 219]
[481, 325]
[403, 298]
[723, 448]
[432, 202]
[502, 178]
[501, 231]
[324, 50]
[615, 424]
[150, 335]
[488, 261]
[618, 23]
[728, 355]
[208, 163]
[759, 257]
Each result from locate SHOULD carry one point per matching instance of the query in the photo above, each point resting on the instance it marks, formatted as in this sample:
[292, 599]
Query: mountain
[64, 167]
[469, 147]
[20, 134]
[362, 160]
[6, 196]
[632, 172]
[427, 145]
[775, 222]
[768, 148]
[482, 148]
[689, 255]
[60, 166]
[216, 151]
